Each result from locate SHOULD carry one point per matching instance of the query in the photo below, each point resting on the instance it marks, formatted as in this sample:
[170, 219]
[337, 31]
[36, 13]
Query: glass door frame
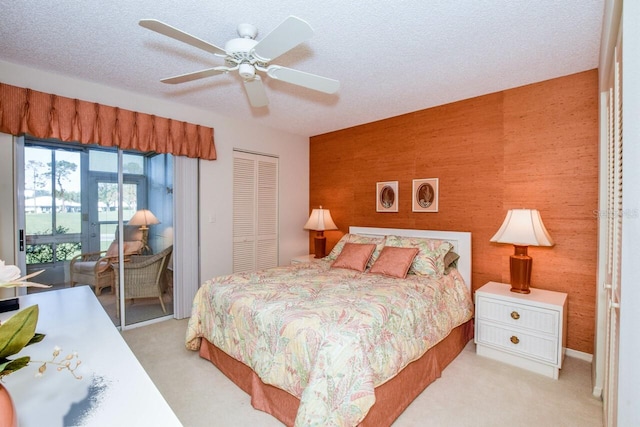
[19, 213]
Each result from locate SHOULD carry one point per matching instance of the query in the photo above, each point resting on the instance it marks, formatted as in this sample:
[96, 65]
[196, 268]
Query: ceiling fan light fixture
[247, 71]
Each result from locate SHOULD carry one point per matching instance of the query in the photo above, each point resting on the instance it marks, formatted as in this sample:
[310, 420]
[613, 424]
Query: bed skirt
[392, 397]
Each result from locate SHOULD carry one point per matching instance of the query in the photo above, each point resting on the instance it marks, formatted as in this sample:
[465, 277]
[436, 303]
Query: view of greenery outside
[68, 222]
[52, 180]
[43, 253]
[39, 254]
[40, 223]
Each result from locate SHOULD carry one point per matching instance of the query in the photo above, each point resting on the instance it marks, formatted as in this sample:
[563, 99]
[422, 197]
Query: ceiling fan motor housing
[240, 48]
[247, 31]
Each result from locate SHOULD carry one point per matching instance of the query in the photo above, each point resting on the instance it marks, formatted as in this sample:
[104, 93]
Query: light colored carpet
[138, 310]
[472, 392]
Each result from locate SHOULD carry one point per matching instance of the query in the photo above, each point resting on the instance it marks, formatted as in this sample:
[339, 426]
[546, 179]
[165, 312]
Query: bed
[314, 344]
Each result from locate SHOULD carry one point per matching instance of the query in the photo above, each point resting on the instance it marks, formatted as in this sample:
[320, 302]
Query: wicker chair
[94, 268]
[144, 277]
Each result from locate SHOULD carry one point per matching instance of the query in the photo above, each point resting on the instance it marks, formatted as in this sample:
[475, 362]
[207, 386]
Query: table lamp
[320, 220]
[522, 228]
[144, 218]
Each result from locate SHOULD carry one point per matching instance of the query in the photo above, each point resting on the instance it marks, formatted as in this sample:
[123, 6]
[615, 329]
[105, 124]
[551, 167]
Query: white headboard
[461, 241]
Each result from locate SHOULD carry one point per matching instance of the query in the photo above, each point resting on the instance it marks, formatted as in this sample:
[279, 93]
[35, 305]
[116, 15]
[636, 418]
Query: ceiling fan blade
[255, 92]
[289, 34]
[182, 78]
[300, 78]
[174, 33]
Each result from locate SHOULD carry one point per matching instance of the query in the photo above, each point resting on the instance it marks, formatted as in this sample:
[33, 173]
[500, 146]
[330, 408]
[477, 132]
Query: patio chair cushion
[133, 247]
[84, 267]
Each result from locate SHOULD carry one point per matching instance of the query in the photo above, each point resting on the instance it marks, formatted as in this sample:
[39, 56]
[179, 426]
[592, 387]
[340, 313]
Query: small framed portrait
[425, 195]
[387, 196]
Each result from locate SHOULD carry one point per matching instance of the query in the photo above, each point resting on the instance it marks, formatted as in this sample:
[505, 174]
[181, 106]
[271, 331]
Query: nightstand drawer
[518, 315]
[517, 341]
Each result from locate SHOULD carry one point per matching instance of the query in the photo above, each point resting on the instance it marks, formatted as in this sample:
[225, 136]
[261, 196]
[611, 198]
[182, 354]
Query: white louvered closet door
[255, 211]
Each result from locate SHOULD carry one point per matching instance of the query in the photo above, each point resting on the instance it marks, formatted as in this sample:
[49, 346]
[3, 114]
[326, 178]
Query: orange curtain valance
[26, 111]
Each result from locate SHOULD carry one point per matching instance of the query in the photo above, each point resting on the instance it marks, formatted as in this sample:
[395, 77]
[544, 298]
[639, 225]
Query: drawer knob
[515, 315]
[514, 339]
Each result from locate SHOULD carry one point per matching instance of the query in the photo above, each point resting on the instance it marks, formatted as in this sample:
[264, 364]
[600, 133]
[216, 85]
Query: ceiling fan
[246, 55]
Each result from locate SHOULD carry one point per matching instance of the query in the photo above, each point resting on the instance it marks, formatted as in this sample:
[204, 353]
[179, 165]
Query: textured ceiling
[391, 57]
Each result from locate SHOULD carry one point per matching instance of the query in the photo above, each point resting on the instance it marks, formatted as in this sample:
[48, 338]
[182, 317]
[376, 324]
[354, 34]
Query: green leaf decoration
[18, 331]
[10, 366]
[36, 338]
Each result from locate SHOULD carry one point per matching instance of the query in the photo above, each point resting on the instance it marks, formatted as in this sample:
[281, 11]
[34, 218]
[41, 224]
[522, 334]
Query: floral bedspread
[327, 336]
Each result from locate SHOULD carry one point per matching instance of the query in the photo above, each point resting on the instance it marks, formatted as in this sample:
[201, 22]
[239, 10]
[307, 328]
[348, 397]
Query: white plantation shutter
[243, 214]
[255, 212]
[267, 210]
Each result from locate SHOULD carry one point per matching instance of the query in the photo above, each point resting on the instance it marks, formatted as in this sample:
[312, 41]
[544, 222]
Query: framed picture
[387, 196]
[425, 195]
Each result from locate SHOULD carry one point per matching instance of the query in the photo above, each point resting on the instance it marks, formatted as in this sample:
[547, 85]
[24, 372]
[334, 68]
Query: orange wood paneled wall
[534, 146]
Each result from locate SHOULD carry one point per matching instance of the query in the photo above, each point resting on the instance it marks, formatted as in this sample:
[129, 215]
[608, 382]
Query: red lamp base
[320, 243]
[520, 268]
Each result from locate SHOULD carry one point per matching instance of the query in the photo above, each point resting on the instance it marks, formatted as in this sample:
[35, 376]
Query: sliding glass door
[52, 211]
[75, 198]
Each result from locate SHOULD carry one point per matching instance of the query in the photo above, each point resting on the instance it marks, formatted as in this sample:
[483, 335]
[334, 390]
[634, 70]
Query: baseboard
[578, 355]
[597, 392]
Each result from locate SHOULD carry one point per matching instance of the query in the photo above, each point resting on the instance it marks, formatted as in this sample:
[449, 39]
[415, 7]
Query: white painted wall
[215, 176]
[216, 195]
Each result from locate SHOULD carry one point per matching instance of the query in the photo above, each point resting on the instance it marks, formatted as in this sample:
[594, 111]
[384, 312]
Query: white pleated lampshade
[523, 227]
[143, 217]
[320, 220]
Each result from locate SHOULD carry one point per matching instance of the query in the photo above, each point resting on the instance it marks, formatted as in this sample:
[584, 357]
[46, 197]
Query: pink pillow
[354, 256]
[113, 249]
[394, 261]
[133, 247]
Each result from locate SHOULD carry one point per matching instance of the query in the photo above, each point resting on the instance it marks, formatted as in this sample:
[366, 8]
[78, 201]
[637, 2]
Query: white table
[114, 391]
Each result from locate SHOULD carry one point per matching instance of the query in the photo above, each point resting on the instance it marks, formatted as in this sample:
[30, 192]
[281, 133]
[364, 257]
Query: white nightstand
[525, 330]
[303, 258]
